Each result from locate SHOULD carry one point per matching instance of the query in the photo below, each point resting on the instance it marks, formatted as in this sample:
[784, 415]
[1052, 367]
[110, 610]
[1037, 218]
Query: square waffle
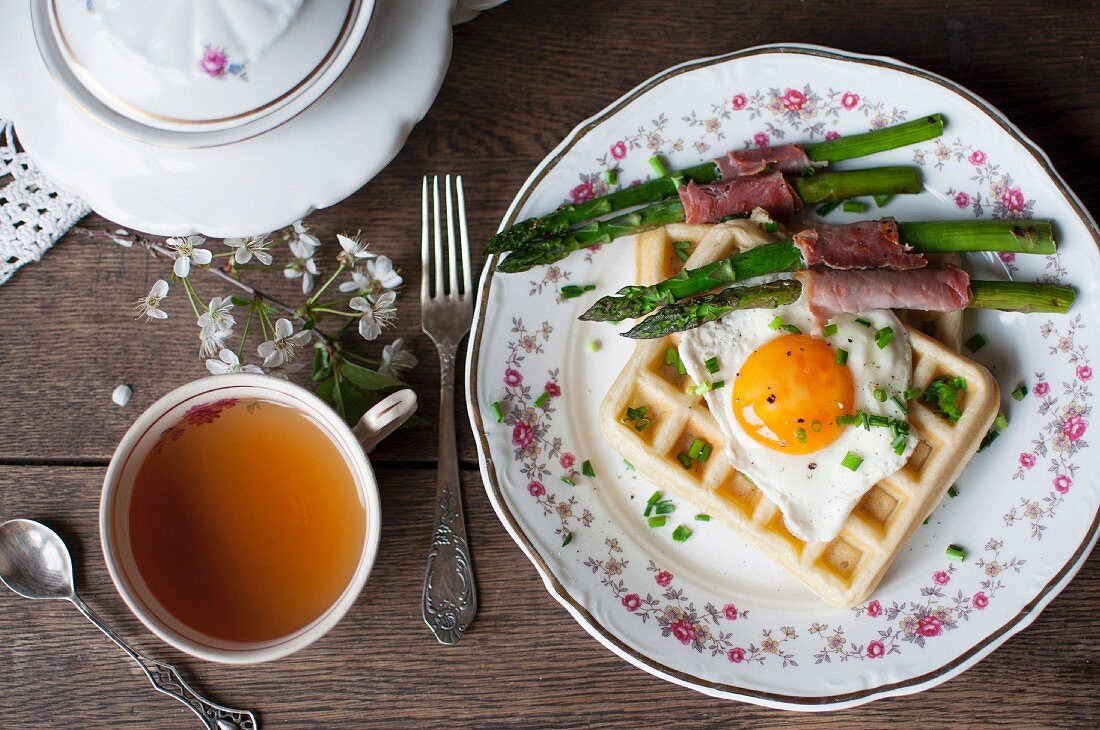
[847, 569]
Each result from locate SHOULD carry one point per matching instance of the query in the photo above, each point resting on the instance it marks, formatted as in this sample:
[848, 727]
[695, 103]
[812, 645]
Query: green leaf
[240, 301]
[322, 364]
[325, 391]
[367, 379]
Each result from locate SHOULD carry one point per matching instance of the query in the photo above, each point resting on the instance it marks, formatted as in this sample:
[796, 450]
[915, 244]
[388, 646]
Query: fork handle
[450, 596]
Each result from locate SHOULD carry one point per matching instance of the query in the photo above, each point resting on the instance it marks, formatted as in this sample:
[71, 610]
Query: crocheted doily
[34, 213]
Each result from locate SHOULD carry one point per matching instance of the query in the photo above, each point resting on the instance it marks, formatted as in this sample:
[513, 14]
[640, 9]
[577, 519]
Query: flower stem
[360, 358]
[335, 311]
[247, 322]
[319, 292]
[192, 295]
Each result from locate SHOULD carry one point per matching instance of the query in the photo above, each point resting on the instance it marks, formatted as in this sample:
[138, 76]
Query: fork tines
[440, 285]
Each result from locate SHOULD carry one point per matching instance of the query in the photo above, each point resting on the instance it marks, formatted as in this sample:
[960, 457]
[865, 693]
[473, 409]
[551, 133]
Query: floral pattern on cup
[215, 63]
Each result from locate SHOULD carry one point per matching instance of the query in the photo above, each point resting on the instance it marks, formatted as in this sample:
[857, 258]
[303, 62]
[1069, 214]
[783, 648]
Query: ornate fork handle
[450, 596]
[166, 679]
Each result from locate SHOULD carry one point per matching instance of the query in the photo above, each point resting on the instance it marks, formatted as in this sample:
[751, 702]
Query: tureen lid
[201, 65]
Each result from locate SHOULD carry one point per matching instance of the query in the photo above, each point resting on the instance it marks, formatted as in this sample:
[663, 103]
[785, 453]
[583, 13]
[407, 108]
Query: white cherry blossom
[187, 251]
[305, 269]
[245, 248]
[305, 243]
[354, 249]
[377, 312]
[396, 360]
[149, 305]
[284, 348]
[381, 270]
[228, 362]
[217, 314]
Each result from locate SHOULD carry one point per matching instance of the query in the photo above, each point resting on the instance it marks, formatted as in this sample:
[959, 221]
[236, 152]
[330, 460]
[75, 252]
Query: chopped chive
[800, 435]
[683, 255]
[567, 480]
[956, 553]
[681, 245]
[884, 337]
[899, 449]
[658, 166]
[900, 404]
[672, 357]
[681, 533]
[1001, 421]
[612, 177]
[628, 465]
[658, 521]
[572, 291]
[952, 492]
[881, 200]
[960, 383]
[841, 357]
[880, 395]
[498, 412]
[926, 520]
[633, 414]
[792, 329]
[848, 419]
[830, 330]
[704, 387]
[826, 208]
[911, 393]
[566, 538]
[815, 426]
[587, 470]
[711, 365]
[989, 439]
[718, 384]
[1020, 393]
[704, 454]
[851, 461]
[702, 517]
[776, 323]
[641, 424]
[664, 507]
[542, 400]
[975, 343]
[862, 321]
[653, 499]
[771, 226]
[594, 346]
[853, 206]
[696, 448]
[684, 459]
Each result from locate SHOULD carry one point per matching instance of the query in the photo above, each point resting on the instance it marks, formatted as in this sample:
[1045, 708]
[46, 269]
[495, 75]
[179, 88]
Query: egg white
[815, 502]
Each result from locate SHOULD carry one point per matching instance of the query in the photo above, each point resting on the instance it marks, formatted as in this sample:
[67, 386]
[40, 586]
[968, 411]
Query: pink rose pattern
[913, 622]
[1063, 435]
[215, 64]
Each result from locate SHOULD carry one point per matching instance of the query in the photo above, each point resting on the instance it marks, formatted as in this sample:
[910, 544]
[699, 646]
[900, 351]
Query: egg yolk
[789, 392]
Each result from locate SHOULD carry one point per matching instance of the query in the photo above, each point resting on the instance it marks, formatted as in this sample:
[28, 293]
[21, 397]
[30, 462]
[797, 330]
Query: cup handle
[382, 420]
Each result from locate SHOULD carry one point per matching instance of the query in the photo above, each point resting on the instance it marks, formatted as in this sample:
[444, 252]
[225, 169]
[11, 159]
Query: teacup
[197, 403]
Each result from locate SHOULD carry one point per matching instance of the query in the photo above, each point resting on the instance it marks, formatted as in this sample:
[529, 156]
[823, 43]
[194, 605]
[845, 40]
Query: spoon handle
[167, 680]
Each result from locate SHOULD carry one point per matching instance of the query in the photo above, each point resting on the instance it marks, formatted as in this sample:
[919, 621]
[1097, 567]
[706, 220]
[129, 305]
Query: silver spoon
[35, 563]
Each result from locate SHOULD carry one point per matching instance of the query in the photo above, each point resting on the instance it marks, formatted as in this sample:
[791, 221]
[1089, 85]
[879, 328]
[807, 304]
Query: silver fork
[446, 309]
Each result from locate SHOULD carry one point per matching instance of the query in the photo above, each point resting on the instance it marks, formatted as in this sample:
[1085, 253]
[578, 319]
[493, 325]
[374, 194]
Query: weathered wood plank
[524, 663]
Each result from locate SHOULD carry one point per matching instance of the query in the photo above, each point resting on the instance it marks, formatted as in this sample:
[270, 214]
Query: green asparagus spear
[1007, 296]
[818, 188]
[925, 237]
[843, 148]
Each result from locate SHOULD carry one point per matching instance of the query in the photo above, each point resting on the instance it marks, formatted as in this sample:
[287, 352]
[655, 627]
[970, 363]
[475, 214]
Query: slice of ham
[863, 245]
[789, 158]
[829, 292]
[712, 202]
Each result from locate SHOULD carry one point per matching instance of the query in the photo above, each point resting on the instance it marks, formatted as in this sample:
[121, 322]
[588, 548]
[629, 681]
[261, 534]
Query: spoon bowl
[34, 561]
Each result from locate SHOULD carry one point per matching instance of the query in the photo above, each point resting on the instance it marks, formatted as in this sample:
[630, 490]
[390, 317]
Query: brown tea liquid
[245, 521]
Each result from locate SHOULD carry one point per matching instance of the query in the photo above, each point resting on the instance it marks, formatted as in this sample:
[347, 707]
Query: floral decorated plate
[712, 613]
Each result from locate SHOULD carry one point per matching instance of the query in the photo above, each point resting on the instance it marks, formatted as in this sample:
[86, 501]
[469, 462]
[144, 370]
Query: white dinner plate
[712, 613]
[314, 160]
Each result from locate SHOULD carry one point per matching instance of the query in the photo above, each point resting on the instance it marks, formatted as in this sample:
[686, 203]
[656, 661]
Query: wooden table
[521, 77]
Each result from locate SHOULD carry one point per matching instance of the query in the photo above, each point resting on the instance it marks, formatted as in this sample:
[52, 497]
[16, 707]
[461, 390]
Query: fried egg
[783, 389]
